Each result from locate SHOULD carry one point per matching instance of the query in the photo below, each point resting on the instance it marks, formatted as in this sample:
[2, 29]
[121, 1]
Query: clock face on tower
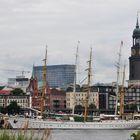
[138, 40]
[133, 52]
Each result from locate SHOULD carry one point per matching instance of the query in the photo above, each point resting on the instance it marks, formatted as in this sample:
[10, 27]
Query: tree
[13, 108]
[79, 109]
[92, 106]
[18, 91]
[3, 110]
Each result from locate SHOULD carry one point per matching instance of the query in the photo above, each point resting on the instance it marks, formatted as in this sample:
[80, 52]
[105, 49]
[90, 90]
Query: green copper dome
[136, 32]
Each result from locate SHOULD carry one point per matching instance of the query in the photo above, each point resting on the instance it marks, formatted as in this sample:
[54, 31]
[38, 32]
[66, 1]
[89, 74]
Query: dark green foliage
[13, 108]
[92, 106]
[1, 87]
[3, 110]
[79, 107]
[78, 119]
[18, 91]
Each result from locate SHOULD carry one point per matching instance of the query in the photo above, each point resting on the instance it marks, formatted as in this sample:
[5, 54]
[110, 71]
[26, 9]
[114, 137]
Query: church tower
[134, 59]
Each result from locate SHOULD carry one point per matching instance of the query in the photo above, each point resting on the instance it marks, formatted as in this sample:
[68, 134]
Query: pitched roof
[5, 92]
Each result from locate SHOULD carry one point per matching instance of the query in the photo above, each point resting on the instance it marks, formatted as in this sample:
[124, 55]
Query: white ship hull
[41, 124]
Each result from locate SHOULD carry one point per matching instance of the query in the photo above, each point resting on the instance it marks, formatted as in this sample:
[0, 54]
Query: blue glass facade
[58, 76]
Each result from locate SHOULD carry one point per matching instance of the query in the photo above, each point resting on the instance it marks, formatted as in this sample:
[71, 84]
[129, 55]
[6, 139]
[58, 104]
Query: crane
[15, 71]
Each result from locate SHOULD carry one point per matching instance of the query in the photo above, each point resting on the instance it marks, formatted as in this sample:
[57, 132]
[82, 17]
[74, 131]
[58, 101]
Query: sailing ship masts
[117, 85]
[44, 83]
[88, 86]
[75, 72]
[122, 94]
[75, 78]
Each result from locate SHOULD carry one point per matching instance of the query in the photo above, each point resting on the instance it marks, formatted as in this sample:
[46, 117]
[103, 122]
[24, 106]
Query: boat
[28, 123]
[39, 123]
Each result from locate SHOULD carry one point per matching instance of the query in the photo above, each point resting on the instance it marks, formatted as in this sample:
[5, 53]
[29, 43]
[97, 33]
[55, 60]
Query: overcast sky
[26, 26]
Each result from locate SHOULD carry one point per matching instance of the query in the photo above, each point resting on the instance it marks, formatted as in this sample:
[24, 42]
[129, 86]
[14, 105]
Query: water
[90, 134]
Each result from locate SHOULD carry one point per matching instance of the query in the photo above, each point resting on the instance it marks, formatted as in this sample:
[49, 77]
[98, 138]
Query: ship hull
[41, 124]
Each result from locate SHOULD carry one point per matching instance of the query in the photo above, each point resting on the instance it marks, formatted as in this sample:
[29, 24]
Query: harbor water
[89, 134]
[92, 134]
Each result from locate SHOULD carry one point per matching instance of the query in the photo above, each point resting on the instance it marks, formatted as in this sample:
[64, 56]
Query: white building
[78, 98]
[19, 82]
[22, 100]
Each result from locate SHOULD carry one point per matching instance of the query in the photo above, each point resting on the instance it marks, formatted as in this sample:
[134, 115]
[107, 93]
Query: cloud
[27, 26]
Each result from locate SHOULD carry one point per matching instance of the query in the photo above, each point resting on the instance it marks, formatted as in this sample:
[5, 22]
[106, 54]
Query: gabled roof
[5, 92]
[8, 88]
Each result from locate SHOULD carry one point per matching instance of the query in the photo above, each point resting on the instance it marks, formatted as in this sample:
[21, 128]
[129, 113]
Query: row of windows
[133, 90]
[17, 97]
[82, 94]
[18, 101]
[111, 106]
[132, 94]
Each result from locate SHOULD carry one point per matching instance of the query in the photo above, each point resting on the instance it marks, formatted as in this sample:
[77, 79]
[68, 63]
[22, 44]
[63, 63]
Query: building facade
[19, 82]
[57, 100]
[58, 76]
[22, 101]
[79, 98]
[134, 59]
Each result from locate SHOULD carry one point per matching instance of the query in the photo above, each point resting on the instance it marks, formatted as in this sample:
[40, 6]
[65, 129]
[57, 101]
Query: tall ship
[102, 122]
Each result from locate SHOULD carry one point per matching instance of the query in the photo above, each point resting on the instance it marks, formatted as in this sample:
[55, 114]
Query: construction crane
[15, 71]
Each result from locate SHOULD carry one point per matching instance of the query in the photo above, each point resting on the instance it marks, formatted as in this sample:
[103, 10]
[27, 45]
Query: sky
[27, 26]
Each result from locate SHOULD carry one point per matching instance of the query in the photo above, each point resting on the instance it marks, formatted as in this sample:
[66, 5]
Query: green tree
[92, 106]
[3, 110]
[13, 108]
[79, 109]
[18, 91]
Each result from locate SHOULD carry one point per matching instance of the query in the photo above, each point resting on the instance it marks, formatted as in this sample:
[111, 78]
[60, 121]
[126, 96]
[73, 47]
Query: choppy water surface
[90, 134]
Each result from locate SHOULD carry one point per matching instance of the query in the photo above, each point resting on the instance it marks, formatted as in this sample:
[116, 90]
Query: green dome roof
[136, 32]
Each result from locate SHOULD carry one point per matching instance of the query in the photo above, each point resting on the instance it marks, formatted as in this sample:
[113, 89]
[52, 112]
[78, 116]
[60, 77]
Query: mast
[117, 85]
[35, 83]
[122, 94]
[88, 86]
[75, 77]
[43, 96]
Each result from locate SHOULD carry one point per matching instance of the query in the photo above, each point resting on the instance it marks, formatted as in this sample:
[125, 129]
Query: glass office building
[58, 76]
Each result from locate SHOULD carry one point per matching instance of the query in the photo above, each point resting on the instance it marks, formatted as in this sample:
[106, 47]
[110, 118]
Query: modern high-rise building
[58, 76]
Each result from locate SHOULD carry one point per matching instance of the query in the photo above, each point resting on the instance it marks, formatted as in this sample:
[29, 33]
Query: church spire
[137, 24]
